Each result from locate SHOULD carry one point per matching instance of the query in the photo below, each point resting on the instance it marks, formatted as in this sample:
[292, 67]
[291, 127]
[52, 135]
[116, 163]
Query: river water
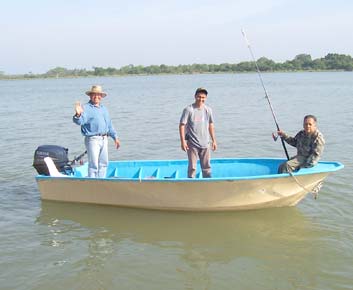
[52, 245]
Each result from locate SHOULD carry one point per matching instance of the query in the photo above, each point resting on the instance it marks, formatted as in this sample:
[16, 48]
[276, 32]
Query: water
[51, 245]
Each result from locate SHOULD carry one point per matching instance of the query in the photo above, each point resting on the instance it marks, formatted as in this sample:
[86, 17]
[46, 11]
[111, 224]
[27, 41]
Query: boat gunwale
[305, 171]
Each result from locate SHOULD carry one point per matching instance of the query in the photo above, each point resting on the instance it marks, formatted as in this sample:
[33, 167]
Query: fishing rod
[266, 95]
[78, 158]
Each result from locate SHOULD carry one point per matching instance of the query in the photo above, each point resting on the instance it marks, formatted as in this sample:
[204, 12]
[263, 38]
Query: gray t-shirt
[196, 121]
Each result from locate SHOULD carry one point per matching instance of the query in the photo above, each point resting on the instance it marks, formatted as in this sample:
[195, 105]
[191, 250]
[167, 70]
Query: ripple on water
[65, 246]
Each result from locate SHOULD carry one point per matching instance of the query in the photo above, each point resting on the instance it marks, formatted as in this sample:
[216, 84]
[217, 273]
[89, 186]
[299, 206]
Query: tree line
[302, 62]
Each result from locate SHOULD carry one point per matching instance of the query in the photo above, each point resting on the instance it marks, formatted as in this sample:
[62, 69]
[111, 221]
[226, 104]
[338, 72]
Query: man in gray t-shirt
[195, 129]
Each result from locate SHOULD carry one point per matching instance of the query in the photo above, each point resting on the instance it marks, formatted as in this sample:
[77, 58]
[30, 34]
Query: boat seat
[53, 171]
[138, 173]
[175, 174]
[114, 173]
[156, 173]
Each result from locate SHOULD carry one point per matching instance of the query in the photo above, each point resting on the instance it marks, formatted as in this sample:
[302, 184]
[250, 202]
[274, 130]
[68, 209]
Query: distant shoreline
[10, 78]
[301, 63]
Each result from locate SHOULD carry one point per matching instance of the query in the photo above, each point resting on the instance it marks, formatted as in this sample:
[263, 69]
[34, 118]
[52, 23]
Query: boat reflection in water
[183, 228]
[193, 244]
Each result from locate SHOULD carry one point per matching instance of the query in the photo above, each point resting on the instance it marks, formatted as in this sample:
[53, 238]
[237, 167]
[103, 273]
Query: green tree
[245, 66]
[98, 71]
[57, 72]
[338, 61]
[266, 64]
[301, 62]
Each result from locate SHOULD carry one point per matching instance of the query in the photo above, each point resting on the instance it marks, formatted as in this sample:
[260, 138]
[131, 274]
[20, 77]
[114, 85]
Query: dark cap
[201, 90]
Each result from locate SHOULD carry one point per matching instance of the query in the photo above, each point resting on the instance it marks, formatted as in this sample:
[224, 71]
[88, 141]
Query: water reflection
[182, 228]
[202, 243]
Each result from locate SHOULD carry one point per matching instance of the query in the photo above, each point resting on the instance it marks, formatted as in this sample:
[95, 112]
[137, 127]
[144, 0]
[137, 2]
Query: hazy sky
[37, 35]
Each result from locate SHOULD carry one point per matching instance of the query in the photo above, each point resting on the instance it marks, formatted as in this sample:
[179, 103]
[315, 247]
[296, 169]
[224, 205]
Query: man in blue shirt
[96, 126]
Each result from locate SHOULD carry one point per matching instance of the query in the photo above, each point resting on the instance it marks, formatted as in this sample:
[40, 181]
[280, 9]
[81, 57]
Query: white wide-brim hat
[96, 90]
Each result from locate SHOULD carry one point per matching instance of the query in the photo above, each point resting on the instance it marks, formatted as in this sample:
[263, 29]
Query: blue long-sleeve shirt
[95, 121]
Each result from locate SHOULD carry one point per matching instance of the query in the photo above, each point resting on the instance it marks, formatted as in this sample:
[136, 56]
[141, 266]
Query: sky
[39, 35]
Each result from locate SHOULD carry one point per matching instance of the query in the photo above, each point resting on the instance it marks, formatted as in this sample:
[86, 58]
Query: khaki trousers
[204, 155]
[292, 164]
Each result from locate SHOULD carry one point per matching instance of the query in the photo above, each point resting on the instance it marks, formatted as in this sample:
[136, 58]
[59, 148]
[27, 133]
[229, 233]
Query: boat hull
[185, 195]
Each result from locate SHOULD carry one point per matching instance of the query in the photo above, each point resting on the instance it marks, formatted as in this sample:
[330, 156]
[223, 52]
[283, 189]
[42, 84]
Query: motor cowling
[57, 153]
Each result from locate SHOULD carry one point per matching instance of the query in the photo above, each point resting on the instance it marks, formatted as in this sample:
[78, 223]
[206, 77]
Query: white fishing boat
[236, 184]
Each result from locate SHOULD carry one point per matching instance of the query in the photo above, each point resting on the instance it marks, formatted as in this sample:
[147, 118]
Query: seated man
[309, 143]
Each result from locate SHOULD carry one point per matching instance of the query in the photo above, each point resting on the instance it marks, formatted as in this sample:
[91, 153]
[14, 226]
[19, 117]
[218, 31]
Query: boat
[236, 184]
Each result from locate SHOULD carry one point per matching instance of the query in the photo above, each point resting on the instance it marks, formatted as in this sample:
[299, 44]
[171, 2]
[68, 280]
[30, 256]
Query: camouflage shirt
[308, 146]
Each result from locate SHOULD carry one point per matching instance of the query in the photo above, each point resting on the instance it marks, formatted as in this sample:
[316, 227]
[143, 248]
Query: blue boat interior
[221, 169]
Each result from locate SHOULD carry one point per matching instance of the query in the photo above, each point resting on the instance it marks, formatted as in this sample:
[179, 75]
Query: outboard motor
[57, 153]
